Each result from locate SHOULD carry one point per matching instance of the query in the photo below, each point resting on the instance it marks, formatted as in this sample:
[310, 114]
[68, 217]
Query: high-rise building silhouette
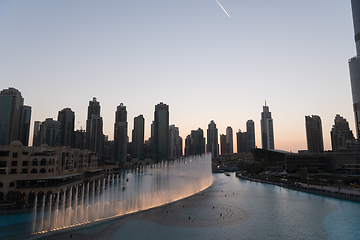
[50, 132]
[195, 143]
[267, 129]
[212, 145]
[13, 125]
[161, 132]
[67, 119]
[241, 140]
[314, 135]
[229, 140]
[138, 137]
[223, 144]
[175, 142]
[79, 139]
[340, 133]
[354, 65]
[25, 125]
[250, 134]
[120, 135]
[94, 128]
[36, 134]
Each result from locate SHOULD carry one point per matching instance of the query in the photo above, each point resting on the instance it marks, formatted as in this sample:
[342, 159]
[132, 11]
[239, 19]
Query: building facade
[138, 137]
[161, 132]
[94, 128]
[120, 135]
[14, 117]
[340, 134]
[241, 140]
[195, 144]
[212, 145]
[267, 129]
[250, 134]
[50, 132]
[67, 119]
[229, 141]
[175, 142]
[354, 66]
[314, 135]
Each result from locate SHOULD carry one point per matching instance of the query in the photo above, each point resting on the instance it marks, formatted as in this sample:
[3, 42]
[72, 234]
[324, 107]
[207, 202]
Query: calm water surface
[272, 212]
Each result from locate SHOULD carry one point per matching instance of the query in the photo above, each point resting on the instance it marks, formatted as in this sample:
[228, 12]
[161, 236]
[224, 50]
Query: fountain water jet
[148, 187]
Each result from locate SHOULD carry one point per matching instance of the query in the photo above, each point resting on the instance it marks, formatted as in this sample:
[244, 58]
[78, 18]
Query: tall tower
[354, 65]
[267, 130]
[138, 137]
[50, 132]
[11, 120]
[161, 132]
[120, 135]
[241, 139]
[94, 128]
[314, 134]
[223, 144]
[175, 142]
[212, 145]
[250, 134]
[229, 140]
[67, 119]
[340, 133]
[36, 136]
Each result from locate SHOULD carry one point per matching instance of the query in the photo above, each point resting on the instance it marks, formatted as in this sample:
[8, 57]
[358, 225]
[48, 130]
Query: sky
[188, 54]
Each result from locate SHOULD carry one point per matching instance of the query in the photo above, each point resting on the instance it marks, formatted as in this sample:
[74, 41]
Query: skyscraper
[241, 140]
[25, 125]
[94, 128]
[67, 119]
[223, 144]
[13, 126]
[250, 134]
[267, 130]
[340, 133]
[229, 140]
[212, 145]
[50, 132]
[175, 142]
[314, 134]
[195, 143]
[120, 135]
[354, 65]
[36, 135]
[161, 132]
[138, 137]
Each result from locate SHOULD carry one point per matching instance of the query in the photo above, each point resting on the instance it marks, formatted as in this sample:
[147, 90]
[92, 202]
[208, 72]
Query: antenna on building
[265, 103]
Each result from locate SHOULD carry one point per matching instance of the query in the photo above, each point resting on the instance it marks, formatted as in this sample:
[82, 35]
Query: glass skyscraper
[161, 132]
[267, 129]
[354, 65]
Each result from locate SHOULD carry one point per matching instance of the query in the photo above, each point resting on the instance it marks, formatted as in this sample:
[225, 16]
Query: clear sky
[188, 54]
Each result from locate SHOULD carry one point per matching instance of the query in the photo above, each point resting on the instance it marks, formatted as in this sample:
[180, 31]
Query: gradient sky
[188, 54]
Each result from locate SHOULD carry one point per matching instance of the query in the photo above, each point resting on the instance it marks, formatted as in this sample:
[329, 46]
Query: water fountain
[146, 187]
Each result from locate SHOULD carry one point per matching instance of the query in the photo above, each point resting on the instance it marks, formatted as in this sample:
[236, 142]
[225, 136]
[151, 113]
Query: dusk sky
[188, 54]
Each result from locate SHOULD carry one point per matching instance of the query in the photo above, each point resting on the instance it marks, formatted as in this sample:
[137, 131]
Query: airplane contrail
[222, 8]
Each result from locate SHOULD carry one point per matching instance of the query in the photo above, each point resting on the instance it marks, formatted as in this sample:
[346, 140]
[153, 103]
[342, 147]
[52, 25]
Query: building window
[1, 185]
[2, 163]
[42, 170]
[34, 170]
[25, 163]
[13, 163]
[24, 170]
[13, 171]
[35, 162]
[15, 155]
[4, 153]
[25, 153]
[2, 171]
[43, 162]
[12, 184]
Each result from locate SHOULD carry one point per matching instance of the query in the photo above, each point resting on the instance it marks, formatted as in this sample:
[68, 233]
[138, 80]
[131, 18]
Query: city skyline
[164, 54]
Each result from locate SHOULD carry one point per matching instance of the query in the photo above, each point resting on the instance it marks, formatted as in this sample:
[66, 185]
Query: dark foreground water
[231, 208]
